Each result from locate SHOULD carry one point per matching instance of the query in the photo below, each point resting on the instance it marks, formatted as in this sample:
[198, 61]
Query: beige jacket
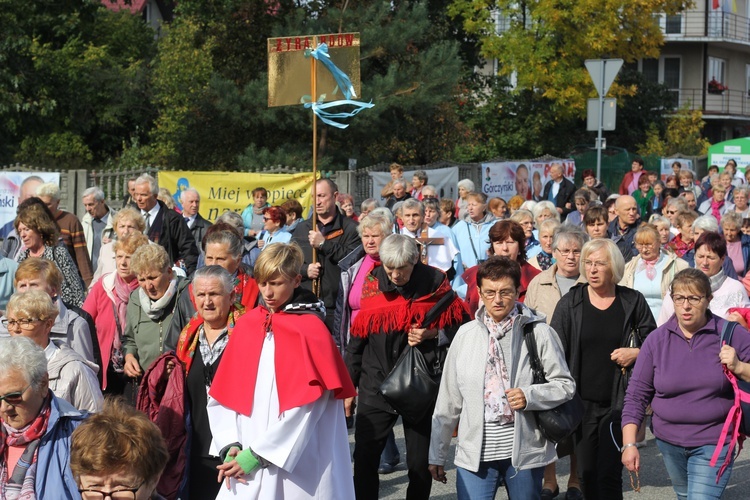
[543, 293]
[673, 266]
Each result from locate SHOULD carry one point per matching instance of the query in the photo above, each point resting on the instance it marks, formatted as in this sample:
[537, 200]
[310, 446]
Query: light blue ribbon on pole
[343, 82]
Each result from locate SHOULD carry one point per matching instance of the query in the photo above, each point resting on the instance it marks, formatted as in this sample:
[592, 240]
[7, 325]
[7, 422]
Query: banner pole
[314, 97]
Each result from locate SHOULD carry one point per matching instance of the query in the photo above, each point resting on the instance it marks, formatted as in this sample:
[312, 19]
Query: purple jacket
[684, 382]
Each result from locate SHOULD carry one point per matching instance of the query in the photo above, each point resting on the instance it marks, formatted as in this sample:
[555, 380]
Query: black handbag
[560, 422]
[411, 387]
[622, 379]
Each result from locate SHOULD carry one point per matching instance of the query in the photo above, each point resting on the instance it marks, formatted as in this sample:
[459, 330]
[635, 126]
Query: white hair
[616, 260]
[94, 191]
[21, 354]
[152, 184]
[467, 184]
[189, 190]
[49, 189]
[706, 223]
[542, 206]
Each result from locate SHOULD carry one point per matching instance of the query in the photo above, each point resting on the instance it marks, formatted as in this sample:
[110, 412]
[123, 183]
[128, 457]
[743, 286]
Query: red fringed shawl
[188, 342]
[385, 312]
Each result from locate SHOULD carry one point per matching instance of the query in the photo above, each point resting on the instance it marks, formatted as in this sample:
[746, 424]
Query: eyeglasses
[644, 245]
[504, 294]
[25, 323]
[671, 212]
[266, 218]
[121, 494]
[597, 263]
[14, 398]
[693, 300]
[526, 224]
[565, 253]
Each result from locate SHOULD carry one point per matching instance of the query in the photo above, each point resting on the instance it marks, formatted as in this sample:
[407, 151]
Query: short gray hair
[50, 189]
[430, 188]
[384, 212]
[549, 225]
[233, 219]
[94, 191]
[569, 234]
[706, 223]
[467, 184]
[373, 220]
[398, 250]
[616, 260]
[733, 218]
[230, 237]
[411, 204]
[742, 189]
[545, 205]
[431, 203]
[21, 354]
[189, 190]
[399, 181]
[147, 179]
[679, 203]
[369, 204]
[217, 273]
[521, 214]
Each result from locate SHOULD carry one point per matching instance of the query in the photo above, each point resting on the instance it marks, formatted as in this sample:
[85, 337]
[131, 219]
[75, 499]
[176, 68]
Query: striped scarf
[20, 485]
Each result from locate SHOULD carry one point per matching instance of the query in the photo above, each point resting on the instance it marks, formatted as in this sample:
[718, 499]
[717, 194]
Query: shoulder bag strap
[471, 241]
[534, 361]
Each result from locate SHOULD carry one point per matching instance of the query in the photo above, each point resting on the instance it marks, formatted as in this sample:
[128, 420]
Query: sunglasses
[14, 398]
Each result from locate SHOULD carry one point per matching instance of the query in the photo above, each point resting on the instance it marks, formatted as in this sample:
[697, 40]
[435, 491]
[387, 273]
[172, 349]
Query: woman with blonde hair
[124, 222]
[71, 377]
[107, 305]
[150, 308]
[652, 270]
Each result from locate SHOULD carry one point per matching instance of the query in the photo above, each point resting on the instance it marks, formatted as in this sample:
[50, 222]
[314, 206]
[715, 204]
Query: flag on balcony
[724, 5]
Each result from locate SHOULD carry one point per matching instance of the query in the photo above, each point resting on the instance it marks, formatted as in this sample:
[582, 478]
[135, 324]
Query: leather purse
[557, 423]
[411, 387]
[622, 379]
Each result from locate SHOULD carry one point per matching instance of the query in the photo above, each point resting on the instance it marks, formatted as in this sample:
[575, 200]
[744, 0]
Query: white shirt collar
[50, 350]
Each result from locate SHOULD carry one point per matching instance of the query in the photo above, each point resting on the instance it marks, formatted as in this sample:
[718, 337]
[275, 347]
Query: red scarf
[385, 312]
[306, 359]
[188, 341]
[29, 437]
[716, 209]
[680, 247]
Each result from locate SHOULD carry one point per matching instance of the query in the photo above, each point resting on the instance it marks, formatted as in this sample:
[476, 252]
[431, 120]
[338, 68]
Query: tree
[73, 81]
[682, 135]
[544, 43]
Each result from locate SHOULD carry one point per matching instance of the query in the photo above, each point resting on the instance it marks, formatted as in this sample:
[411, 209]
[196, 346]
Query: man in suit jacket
[165, 226]
[191, 202]
[559, 191]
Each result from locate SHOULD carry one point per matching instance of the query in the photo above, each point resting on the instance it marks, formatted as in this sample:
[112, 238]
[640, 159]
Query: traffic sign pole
[601, 123]
[602, 76]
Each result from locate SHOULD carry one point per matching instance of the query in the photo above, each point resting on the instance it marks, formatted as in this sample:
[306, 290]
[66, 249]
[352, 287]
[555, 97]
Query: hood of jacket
[64, 356]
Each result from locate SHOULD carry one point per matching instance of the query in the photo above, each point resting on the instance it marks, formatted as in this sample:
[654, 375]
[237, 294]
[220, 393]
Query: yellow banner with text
[224, 191]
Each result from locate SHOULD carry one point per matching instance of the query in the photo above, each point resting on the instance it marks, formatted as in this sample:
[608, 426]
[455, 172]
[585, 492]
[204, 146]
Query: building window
[650, 70]
[717, 70]
[673, 25]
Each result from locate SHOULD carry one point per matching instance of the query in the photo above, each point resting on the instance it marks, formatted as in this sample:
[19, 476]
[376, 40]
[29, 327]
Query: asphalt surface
[655, 484]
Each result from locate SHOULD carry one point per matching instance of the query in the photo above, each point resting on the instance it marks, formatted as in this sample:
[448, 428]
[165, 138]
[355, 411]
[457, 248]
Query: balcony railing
[715, 24]
[729, 102]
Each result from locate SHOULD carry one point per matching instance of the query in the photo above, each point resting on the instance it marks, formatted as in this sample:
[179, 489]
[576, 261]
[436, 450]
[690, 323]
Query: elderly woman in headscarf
[200, 349]
[36, 427]
[71, 377]
[150, 308]
[395, 299]
[107, 305]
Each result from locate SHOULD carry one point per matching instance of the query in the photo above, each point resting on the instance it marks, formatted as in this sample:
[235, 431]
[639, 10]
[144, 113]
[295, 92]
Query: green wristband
[247, 460]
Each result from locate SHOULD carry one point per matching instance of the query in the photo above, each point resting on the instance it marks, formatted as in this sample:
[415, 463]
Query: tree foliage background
[83, 86]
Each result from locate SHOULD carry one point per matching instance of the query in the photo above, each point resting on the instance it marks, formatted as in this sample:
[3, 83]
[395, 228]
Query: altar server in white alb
[275, 406]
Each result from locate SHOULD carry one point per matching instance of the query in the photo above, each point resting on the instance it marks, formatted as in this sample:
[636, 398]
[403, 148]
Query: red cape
[306, 358]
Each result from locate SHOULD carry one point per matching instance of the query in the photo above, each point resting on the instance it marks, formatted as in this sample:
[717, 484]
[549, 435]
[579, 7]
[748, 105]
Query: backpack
[737, 424]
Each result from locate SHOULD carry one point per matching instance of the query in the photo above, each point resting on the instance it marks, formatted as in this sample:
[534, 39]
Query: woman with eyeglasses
[726, 292]
[71, 377]
[595, 321]
[36, 427]
[487, 390]
[118, 454]
[688, 411]
[542, 296]
[274, 230]
[652, 270]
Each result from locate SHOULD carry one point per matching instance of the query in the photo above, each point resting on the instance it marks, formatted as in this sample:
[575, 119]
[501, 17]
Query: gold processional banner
[224, 191]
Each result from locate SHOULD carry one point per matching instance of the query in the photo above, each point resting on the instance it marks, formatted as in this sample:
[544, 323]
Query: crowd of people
[146, 352]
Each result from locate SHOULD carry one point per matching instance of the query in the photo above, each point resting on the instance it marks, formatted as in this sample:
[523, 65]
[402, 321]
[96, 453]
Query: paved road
[655, 484]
